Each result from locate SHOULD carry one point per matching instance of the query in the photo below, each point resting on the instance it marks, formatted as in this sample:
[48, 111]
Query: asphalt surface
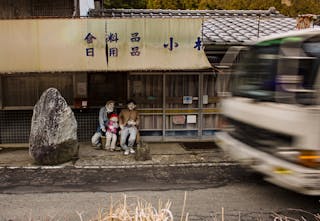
[216, 186]
[234, 201]
[98, 170]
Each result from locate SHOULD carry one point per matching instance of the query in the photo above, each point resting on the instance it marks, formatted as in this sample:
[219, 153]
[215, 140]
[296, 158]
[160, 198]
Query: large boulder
[53, 136]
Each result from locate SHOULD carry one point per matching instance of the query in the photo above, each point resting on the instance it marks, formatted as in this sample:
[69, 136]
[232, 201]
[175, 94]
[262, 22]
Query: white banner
[45, 45]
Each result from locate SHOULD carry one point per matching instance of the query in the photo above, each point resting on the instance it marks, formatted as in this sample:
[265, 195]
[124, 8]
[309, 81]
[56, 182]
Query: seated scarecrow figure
[104, 116]
[111, 134]
[129, 122]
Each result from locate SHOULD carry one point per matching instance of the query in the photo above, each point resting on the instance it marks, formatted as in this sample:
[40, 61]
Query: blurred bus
[273, 116]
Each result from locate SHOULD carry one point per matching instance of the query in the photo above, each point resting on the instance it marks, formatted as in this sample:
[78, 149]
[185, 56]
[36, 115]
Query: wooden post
[1, 93]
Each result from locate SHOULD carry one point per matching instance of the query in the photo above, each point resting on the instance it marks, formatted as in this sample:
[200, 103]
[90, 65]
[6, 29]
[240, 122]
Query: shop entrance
[175, 105]
[104, 86]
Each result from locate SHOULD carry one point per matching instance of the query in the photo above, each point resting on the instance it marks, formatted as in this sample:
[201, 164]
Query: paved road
[218, 184]
[251, 199]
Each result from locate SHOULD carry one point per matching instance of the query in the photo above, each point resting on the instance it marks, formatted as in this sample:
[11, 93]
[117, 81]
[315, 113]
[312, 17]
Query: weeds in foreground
[301, 215]
[141, 211]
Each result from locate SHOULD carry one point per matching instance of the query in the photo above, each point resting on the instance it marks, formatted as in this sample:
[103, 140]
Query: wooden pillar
[1, 93]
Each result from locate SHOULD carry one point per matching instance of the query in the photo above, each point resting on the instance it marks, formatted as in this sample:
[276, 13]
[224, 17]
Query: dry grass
[144, 211]
[302, 216]
[139, 211]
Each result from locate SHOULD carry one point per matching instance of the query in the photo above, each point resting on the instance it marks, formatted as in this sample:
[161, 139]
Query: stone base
[53, 155]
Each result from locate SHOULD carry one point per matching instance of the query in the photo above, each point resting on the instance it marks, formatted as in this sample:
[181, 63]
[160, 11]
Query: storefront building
[171, 77]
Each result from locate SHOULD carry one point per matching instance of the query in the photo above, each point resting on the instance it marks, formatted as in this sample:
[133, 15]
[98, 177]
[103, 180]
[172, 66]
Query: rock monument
[53, 136]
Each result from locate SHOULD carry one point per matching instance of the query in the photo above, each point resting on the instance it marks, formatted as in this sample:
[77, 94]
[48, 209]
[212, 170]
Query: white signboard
[99, 44]
[187, 99]
[191, 119]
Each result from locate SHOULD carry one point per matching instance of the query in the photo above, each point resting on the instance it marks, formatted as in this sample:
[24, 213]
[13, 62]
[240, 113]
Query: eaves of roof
[164, 13]
[220, 26]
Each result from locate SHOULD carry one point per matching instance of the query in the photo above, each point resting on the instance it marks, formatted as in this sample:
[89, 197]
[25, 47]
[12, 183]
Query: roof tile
[220, 26]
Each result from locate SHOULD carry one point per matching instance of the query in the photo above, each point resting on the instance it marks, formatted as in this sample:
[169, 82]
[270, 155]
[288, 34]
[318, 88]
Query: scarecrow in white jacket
[104, 116]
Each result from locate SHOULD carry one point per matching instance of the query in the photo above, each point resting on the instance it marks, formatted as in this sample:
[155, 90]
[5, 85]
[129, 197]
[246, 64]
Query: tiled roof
[220, 26]
[240, 29]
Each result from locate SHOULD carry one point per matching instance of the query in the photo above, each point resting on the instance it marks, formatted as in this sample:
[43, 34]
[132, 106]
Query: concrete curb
[122, 166]
[181, 173]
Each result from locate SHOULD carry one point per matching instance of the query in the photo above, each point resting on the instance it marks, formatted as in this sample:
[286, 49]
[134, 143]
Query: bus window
[254, 77]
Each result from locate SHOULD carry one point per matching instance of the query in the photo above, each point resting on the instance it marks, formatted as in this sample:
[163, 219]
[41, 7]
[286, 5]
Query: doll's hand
[131, 122]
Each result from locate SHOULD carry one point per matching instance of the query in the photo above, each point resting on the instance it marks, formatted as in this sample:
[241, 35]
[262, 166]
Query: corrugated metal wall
[15, 9]
[61, 8]
[21, 91]
[11, 9]
[26, 89]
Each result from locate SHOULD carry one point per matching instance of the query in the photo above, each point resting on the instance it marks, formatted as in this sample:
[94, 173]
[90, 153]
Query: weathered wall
[34, 8]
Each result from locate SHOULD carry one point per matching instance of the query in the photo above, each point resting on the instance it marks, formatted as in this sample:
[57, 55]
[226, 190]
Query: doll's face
[110, 107]
[131, 106]
[115, 119]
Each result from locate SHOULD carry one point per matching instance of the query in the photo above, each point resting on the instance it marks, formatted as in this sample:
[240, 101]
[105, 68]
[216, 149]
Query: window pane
[146, 90]
[180, 91]
[210, 83]
[150, 122]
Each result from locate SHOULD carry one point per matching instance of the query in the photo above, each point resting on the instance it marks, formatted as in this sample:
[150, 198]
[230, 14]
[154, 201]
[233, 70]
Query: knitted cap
[113, 115]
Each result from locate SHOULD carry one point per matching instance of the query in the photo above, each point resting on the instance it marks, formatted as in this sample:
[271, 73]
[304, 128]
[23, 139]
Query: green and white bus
[273, 113]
